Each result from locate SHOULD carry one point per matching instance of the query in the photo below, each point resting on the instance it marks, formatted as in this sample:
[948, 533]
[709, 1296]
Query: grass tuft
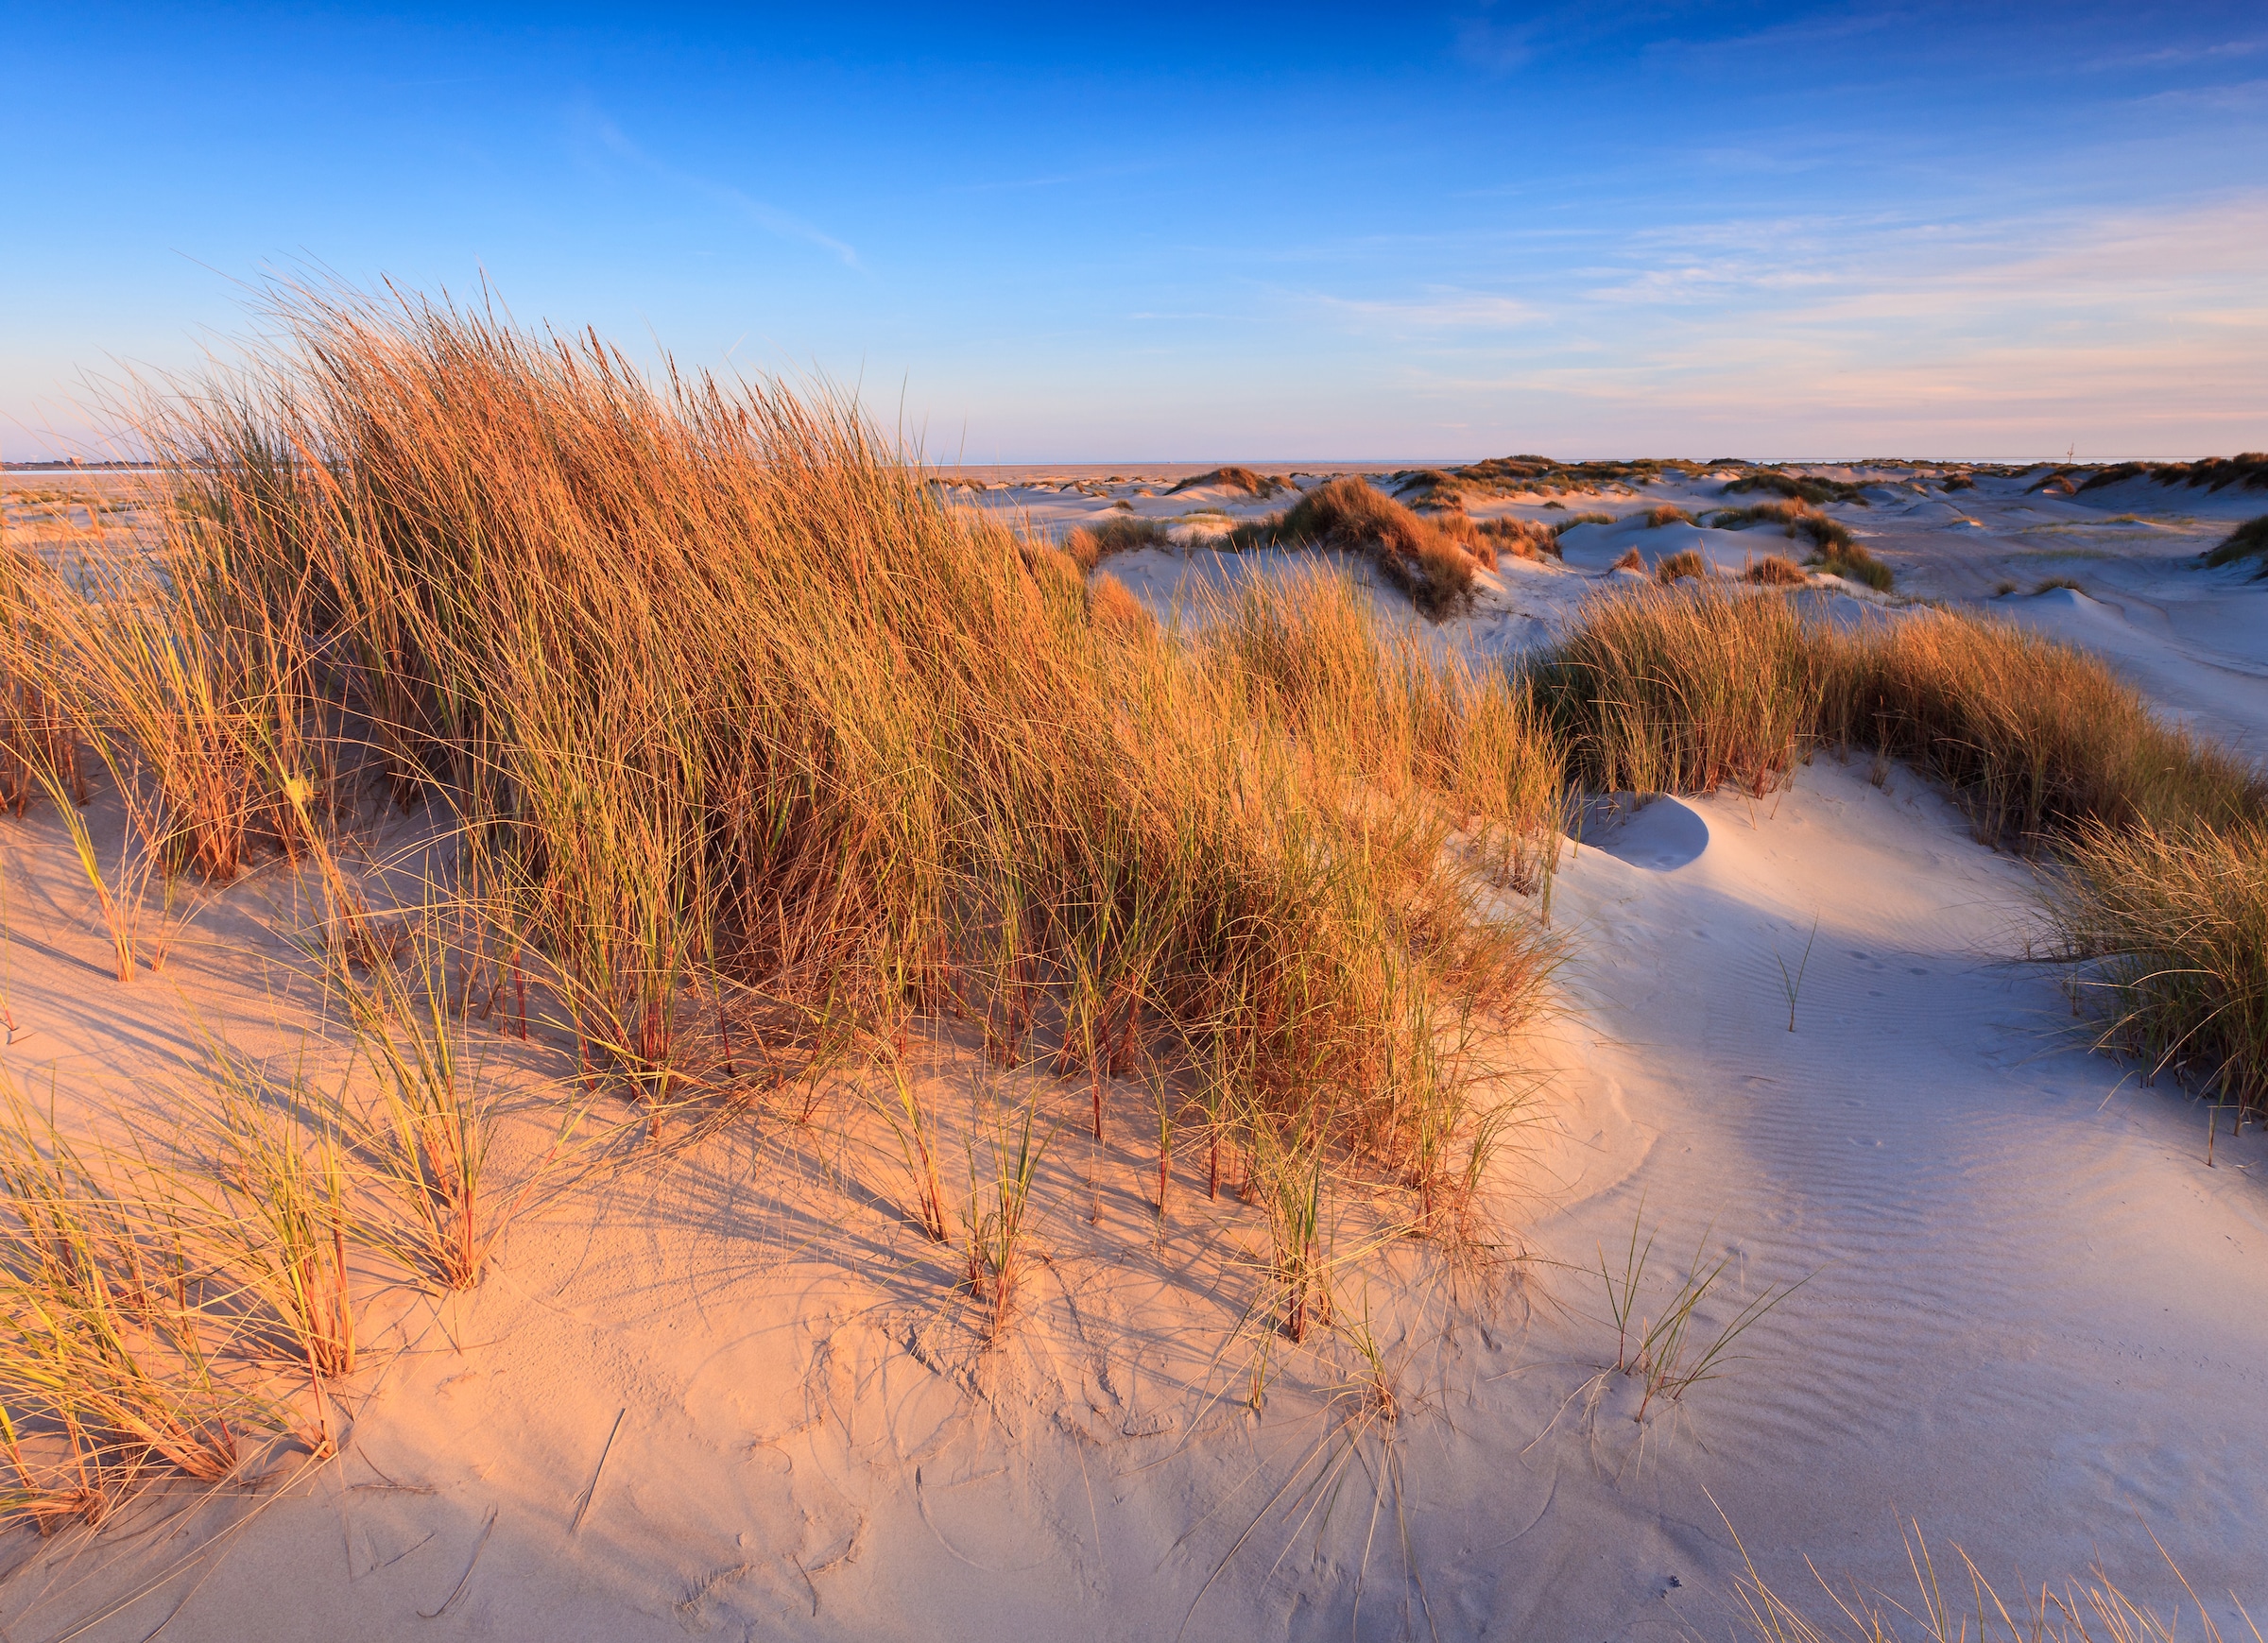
[2249, 540]
[1430, 559]
[1680, 566]
[1090, 545]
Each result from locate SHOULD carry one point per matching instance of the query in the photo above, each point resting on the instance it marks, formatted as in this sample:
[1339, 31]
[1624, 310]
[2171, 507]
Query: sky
[1165, 233]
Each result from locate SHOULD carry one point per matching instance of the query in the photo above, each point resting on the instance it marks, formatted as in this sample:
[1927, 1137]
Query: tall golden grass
[1433, 559]
[756, 747]
[2153, 842]
[753, 749]
[1684, 692]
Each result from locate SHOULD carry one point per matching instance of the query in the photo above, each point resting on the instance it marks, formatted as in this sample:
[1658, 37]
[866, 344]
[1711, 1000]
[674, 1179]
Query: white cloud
[1441, 308]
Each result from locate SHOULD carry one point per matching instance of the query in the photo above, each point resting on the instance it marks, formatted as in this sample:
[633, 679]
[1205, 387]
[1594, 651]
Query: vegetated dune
[718, 1043]
[1262, 486]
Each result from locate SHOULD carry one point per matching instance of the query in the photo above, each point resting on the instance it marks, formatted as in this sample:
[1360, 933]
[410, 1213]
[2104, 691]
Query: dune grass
[2248, 541]
[1834, 549]
[2152, 844]
[756, 748]
[1961, 1605]
[1432, 561]
[1090, 545]
[1258, 486]
[1523, 538]
[1798, 488]
[1773, 571]
[2247, 471]
[1684, 692]
[123, 1331]
[1853, 563]
[2171, 927]
[1687, 562]
[1667, 513]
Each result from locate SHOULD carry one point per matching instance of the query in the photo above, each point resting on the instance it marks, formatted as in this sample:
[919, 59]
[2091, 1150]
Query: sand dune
[702, 1397]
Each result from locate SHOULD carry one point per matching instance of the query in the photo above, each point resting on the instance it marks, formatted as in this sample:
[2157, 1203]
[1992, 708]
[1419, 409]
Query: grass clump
[2054, 582]
[1853, 563]
[120, 1333]
[1687, 692]
[1773, 571]
[1431, 560]
[1798, 488]
[756, 748]
[1431, 487]
[1667, 513]
[1834, 549]
[1630, 560]
[1523, 538]
[1572, 520]
[1657, 690]
[2249, 540]
[1090, 545]
[2172, 926]
[1679, 566]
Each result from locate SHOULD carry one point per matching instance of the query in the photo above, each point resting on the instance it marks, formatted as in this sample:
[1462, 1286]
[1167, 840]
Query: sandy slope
[2030, 1314]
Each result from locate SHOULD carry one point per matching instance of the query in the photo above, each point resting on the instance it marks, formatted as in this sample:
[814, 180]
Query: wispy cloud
[770, 219]
[1440, 308]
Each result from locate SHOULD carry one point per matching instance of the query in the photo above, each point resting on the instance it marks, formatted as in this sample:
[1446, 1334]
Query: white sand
[2034, 1318]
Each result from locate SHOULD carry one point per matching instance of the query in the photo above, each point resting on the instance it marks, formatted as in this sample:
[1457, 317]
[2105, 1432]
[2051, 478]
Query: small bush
[2249, 540]
[1960, 481]
[1773, 572]
[1090, 545]
[1667, 513]
[1679, 566]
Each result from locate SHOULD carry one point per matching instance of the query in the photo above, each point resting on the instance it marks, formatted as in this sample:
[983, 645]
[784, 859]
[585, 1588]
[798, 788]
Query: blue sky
[1223, 233]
